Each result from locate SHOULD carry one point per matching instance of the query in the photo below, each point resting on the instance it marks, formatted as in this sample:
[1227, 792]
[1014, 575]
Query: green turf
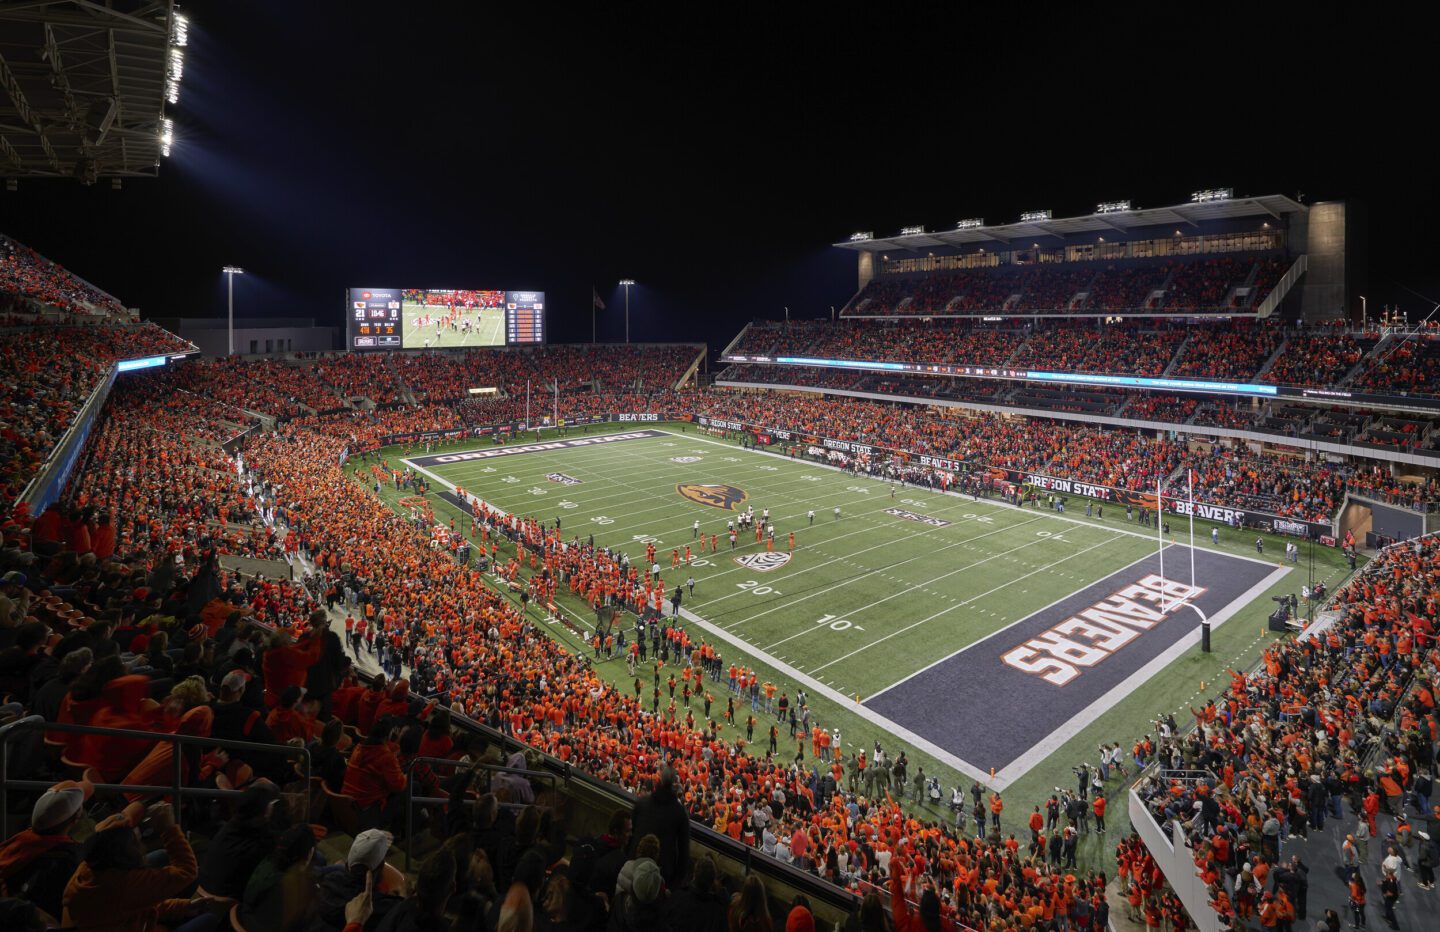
[487, 328]
[868, 598]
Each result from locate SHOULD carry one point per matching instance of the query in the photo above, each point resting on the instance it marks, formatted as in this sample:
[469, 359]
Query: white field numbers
[754, 588]
[835, 623]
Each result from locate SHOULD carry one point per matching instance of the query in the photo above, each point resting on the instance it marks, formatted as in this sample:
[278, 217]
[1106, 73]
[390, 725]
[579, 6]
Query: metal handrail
[177, 787]
[412, 801]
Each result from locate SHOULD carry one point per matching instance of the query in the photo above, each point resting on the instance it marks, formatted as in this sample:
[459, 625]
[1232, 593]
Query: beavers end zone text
[1059, 661]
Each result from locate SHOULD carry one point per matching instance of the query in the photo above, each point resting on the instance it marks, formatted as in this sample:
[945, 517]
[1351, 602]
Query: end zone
[1038, 681]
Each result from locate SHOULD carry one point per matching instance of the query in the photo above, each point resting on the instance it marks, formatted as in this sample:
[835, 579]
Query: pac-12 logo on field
[561, 478]
[714, 494]
[763, 562]
[684, 459]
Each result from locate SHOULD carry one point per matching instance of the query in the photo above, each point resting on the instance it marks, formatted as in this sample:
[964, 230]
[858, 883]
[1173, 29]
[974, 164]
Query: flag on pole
[595, 302]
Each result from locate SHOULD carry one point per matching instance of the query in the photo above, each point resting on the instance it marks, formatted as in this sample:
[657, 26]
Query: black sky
[712, 151]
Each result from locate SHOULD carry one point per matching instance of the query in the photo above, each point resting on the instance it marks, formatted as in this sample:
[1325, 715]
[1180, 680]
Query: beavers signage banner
[1235, 517]
[1260, 520]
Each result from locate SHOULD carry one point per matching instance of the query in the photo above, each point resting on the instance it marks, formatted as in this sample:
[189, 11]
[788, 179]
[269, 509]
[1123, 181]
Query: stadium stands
[1193, 285]
[42, 284]
[122, 607]
[1313, 718]
[51, 371]
[1406, 365]
[155, 469]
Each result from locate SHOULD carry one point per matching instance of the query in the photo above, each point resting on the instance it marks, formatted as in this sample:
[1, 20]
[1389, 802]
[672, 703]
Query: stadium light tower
[626, 283]
[230, 272]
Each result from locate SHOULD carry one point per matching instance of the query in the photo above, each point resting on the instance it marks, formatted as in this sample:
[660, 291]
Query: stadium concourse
[191, 584]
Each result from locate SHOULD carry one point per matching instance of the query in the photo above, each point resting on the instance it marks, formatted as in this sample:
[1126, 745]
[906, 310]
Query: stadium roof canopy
[84, 85]
[1119, 221]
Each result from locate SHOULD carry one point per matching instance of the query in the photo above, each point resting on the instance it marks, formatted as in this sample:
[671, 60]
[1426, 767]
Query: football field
[487, 327]
[982, 636]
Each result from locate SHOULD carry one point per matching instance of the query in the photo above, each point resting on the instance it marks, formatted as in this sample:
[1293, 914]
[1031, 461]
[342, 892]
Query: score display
[442, 318]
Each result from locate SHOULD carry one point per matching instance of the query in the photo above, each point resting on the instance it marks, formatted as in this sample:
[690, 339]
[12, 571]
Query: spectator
[701, 906]
[374, 777]
[281, 891]
[246, 839]
[750, 908]
[37, 863]
[364, 864]
[662, 814]
[114, 890]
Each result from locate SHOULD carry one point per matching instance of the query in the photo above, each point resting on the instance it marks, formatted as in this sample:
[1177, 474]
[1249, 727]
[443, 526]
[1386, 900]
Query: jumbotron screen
[442, 318]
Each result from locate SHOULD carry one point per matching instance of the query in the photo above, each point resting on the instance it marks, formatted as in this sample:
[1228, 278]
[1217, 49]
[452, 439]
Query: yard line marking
[988, 503]
[853, 612]
[846, 582]
[999, 631]
[946, 611]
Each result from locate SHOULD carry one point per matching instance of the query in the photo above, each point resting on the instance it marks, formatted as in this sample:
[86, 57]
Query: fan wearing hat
[364, 862]
[241, 843]
[37, 862]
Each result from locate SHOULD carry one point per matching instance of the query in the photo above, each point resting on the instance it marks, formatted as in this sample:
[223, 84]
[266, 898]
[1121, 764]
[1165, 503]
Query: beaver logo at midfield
[714, 494]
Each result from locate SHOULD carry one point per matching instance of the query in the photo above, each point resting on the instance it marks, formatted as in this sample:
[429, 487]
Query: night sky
[713, 155]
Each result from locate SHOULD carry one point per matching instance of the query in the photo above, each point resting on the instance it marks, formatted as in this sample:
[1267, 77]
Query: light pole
[230, 272]
[627, 282]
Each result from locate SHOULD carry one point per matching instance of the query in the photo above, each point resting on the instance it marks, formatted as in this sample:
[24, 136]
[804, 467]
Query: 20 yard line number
[754, 588]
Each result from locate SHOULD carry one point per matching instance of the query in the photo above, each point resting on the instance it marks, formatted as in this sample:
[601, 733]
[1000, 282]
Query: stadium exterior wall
[1326, 292]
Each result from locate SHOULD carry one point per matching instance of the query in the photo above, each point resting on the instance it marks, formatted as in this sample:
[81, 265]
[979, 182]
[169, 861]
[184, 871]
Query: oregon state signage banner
[714, 494]
[1262, 520]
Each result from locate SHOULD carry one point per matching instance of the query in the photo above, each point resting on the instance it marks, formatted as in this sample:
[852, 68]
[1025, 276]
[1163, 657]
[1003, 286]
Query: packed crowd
[1339, 726]
[1117, 458]
[367, 375]
[1315, 359]
[1203, 284]
[1192, 284]
[27, 274]
[437, 377]
[454, 629]
[1227, 352]
[140, 502]
[1407, 366]
[1111, 349]
[50, 372]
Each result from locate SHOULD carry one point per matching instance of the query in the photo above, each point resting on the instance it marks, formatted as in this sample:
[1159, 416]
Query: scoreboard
[374, 321]
[442, 318]
[524, 317]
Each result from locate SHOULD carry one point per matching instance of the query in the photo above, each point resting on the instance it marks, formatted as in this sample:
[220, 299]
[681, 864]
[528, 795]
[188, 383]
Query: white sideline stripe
[1080, 720]
[974, 598]
[592, 502]
[921, 585]
[848, 703]
[987, 502]
[1040, 750]
[648, 494]
[879, 546]
[998, 631]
